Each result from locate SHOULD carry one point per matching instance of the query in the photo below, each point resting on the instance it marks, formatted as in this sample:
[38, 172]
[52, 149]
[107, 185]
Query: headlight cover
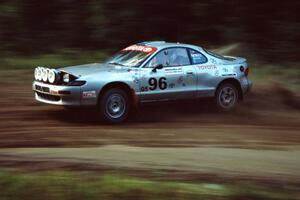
[52, 76]
[45, 74]
[66, 78]
[56, 77]
[37, 73]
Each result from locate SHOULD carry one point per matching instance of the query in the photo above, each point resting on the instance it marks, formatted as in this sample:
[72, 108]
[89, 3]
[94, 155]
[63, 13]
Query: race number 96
[161, 83]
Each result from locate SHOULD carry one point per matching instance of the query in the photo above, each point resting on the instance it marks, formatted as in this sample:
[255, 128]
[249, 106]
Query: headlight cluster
[56, 77]
[45, 74]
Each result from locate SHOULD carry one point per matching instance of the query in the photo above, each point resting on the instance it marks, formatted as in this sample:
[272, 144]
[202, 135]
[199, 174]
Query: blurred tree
[9, 23]
[269, 29]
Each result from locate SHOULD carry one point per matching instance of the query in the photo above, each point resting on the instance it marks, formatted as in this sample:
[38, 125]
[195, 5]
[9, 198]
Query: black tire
[114, 106]
[226, 97]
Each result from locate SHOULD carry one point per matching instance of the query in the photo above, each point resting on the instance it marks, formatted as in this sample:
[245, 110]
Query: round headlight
[36, 73]
[39, 73]
[44, 74]
[51, 75]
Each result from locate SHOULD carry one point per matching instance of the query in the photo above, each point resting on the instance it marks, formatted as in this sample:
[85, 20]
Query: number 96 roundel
[153, 84]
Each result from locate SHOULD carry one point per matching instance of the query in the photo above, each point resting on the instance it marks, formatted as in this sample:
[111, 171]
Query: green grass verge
[70, 185]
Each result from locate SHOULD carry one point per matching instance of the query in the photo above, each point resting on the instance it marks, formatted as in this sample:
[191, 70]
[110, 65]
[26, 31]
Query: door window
[171, 57]
[178, 57]
[159, 59]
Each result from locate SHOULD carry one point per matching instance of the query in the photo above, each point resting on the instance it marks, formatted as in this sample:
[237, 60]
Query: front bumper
[57, 94]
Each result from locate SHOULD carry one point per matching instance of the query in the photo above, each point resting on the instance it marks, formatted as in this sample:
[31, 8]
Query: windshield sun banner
[145, 49]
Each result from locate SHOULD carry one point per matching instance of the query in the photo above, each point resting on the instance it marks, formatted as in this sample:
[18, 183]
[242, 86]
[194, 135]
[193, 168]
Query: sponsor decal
[189, 78]
[213, 61]
[145, 49]
[136, 80]
[207, 67]
[217, 73]
[180, 80]
[144, 89]
[176, 70]
[228, 74]
[171, 85]
[89, 94]
[225, 69]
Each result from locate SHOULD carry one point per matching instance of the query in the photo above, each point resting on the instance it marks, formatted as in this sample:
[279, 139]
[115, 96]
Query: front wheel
[114, 106]
[226, 97]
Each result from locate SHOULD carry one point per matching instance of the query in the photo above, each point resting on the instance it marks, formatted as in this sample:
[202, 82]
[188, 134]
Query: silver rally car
[145, 72]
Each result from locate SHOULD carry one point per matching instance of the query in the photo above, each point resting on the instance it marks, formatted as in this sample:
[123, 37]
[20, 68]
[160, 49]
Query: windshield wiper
[115, 63]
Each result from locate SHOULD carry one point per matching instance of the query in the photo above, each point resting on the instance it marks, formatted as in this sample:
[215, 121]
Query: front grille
[48, 97]
[37, 87]
[46, 89]
[42, 89]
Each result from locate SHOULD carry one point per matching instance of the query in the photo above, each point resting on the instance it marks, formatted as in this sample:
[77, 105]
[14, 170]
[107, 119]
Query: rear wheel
[114, 106]
[226, 97]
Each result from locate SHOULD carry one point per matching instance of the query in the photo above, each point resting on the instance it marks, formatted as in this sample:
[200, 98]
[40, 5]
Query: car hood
[95, 68]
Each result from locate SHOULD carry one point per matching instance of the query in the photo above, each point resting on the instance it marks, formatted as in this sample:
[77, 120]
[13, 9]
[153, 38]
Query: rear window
[197, 57]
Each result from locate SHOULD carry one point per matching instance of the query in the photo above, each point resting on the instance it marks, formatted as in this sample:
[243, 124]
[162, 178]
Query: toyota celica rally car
[145, 72]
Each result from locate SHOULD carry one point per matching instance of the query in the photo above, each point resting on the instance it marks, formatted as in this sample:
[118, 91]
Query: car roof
[163, 44]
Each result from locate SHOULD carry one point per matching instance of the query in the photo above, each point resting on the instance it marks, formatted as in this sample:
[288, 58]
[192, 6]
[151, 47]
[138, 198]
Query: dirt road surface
[260, 139]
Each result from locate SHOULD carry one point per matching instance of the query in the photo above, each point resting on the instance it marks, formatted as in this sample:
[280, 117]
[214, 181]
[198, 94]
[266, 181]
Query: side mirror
[160, 66]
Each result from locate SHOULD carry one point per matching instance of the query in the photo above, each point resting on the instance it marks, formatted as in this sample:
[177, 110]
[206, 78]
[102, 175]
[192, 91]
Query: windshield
[132, 56]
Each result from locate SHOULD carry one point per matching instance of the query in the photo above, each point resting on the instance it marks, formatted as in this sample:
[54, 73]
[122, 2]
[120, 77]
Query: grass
[70, 185]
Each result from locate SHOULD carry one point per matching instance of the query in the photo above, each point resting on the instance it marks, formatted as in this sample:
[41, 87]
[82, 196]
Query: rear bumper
[249, 87]
[246, 86]
[56, 94]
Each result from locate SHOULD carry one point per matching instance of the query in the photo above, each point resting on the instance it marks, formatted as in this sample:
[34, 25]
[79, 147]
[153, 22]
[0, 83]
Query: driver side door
[176, 80]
